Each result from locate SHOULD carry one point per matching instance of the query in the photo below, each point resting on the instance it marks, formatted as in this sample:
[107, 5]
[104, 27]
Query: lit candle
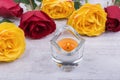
[68, 44]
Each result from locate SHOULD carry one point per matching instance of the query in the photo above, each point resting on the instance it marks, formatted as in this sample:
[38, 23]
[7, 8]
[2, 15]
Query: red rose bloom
[37, 24]
[8, 8]
[113, 18]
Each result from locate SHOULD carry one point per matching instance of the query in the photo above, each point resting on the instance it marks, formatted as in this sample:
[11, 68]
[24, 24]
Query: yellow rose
[88, 20]
[12, 42]
[58, 8]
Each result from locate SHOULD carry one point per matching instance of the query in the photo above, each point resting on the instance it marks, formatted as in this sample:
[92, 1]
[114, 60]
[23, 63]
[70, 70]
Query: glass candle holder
[67, 48]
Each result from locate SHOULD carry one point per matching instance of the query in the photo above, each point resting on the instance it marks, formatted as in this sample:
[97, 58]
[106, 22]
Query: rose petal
[113, 12]
[33, 16]
[26, 16]
[39, 31]
[42, 15]
[8, 8]
[5, 12]
[16, 10]
[58, 8]
[37, 24]
[12, 42]
[89, 20]
[116, 29]
[39, 34]
[50, 21]
[113, 18]
[7, 3]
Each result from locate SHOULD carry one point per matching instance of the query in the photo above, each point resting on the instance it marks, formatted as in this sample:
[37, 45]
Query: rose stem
[31, 4]
[86, 1]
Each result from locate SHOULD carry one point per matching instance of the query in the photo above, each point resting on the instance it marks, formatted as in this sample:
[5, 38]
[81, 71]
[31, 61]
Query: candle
[68, 44]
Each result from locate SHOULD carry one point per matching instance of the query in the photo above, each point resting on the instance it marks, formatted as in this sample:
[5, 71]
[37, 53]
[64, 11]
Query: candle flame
[67, 44]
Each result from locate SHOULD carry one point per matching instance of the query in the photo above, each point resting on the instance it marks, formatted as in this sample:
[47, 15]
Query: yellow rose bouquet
[57, 9]
[12, 42]
[89, 20]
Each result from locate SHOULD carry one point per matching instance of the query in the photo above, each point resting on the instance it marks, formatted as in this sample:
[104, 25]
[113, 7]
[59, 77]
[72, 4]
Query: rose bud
[113, 18]
[37, 24]
[8, 8]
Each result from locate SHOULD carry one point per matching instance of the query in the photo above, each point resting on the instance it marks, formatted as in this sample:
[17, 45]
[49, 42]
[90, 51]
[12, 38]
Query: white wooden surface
[101, 60]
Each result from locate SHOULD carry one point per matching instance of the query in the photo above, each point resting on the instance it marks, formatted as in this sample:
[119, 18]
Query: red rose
[37, 24]
[8, 8]
[113, 18]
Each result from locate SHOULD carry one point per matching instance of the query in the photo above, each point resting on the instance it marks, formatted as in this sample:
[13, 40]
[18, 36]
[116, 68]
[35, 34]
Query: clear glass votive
[67, 48]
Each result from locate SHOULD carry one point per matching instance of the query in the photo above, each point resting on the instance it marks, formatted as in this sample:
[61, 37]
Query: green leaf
[39, 0]
[33, 4]
[117, 2]
[77, 5]
[5, 20]
[86, 1]
[22, 1]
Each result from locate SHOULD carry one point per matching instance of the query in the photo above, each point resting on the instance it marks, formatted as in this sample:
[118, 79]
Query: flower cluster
[89, 20]
[35, 24]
